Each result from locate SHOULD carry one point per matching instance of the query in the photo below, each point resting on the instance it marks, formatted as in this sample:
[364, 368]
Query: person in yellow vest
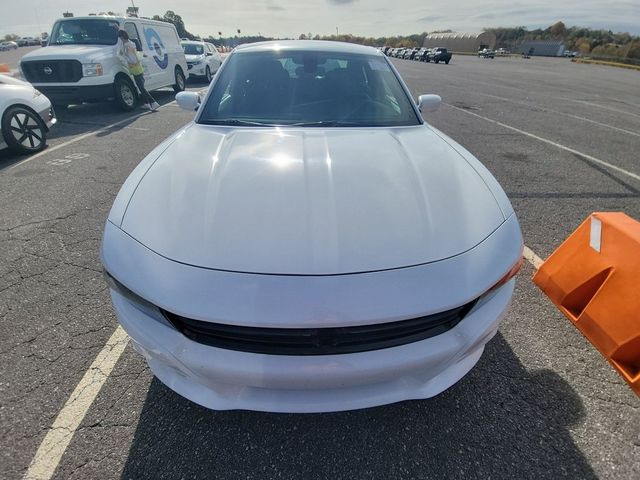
[126, 51]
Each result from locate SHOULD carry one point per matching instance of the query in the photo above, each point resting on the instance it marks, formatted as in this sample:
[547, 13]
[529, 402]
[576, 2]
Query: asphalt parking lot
[541, 403]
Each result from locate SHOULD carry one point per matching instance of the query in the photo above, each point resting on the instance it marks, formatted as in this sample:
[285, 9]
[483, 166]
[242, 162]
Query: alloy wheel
[27, 130]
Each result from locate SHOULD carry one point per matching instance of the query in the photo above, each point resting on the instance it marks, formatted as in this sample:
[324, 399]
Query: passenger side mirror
[429, 103]
[188, 101]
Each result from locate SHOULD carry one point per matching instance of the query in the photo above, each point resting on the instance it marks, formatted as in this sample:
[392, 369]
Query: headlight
[92, 69]
[135, 300]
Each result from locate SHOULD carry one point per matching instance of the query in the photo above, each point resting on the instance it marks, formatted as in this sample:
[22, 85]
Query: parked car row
[435, 55]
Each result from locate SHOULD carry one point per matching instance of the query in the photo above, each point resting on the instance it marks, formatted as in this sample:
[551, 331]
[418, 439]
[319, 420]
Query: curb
[609, 64]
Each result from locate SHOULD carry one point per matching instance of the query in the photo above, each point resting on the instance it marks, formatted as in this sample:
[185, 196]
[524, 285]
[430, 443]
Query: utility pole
[337, 34]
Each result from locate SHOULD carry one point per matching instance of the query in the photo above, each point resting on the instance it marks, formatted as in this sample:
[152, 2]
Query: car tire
[181, 81]
[23, 130]
[207, 75]
[447, 62]
[125, 93]
[437, 61]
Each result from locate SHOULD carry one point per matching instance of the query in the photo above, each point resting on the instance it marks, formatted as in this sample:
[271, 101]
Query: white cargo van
[79, 64]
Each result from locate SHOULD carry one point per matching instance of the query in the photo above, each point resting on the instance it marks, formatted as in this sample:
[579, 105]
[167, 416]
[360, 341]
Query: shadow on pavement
[500, 421]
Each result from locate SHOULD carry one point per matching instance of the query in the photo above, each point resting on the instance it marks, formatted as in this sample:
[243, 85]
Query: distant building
[461, 42]
[542, 48]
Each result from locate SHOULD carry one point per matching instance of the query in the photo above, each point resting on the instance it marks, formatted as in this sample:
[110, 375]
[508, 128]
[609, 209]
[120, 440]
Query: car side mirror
[209, 54]
[188, 101]
[429, 103]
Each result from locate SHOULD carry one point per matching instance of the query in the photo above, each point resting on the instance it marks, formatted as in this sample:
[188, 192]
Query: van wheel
[24, 131]
[208, 75]
[125, 93]
[180, 81]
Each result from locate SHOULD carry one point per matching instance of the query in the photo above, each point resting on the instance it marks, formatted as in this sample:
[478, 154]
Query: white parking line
[606, 107]
[551, 142]
[82, 137]
[66, 423]
[558, 112]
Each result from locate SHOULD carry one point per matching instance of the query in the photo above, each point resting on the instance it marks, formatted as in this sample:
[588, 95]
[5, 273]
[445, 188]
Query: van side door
[157, 56]
[134, 36]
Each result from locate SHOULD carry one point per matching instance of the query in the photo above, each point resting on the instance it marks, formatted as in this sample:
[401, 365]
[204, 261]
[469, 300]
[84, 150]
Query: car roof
[307, 45]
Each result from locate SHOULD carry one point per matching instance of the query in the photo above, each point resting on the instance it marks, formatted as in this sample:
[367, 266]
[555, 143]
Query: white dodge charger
[309, 243]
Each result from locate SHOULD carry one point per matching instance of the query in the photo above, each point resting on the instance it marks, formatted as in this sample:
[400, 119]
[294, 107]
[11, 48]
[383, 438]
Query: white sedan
[26, 116]
[203, 59]
[309, 243]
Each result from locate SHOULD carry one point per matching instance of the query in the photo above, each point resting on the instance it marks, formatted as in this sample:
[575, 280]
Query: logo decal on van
[155, 45]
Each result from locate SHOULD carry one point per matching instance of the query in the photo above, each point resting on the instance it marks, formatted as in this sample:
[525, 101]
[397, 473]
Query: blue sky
[360, 17]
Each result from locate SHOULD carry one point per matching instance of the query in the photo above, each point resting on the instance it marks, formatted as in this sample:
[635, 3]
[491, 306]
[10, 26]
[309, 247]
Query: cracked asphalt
[541, 403]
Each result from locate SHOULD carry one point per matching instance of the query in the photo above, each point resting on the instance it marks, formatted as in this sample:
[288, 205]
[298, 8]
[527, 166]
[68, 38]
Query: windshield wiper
[236, 122]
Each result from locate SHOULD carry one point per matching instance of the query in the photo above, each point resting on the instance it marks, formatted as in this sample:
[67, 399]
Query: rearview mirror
[429, 103]
[188, 101]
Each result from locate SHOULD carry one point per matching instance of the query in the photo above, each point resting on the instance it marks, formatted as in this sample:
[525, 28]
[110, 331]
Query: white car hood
[65, 52]
[310, 201]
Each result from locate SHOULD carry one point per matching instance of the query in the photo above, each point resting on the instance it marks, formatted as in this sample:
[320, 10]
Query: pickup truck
[486, 53]
[438, 55]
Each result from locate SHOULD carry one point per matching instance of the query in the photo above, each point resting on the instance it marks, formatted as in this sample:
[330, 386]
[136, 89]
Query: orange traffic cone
[594, 279]
[4, 68]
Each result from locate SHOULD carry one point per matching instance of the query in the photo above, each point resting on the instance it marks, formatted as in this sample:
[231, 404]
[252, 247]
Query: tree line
[596, 42]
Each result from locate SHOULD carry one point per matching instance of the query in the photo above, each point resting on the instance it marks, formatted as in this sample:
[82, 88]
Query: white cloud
[370, 17]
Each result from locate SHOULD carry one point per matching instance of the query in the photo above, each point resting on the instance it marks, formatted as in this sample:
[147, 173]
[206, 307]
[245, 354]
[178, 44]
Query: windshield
[85, 31]
[192, 49]
[308, 88]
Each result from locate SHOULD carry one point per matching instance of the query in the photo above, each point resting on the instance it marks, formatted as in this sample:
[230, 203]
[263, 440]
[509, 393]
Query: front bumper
[48, 116]
[225, 379]
[72, 93]
[198, 70]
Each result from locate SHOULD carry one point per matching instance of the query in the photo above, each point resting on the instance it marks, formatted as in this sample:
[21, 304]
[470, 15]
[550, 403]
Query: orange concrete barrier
[4, 68]
[594, 279]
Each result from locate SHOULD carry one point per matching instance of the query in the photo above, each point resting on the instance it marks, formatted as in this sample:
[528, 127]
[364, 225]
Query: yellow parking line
[66, 423]
[532, 258]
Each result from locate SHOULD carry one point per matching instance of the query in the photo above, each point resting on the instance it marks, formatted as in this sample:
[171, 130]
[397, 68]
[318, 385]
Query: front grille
[318, 341]
[50, 71]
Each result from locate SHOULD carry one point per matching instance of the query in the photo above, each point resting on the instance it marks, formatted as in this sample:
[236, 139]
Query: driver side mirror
[188, 101]
[429, 103]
